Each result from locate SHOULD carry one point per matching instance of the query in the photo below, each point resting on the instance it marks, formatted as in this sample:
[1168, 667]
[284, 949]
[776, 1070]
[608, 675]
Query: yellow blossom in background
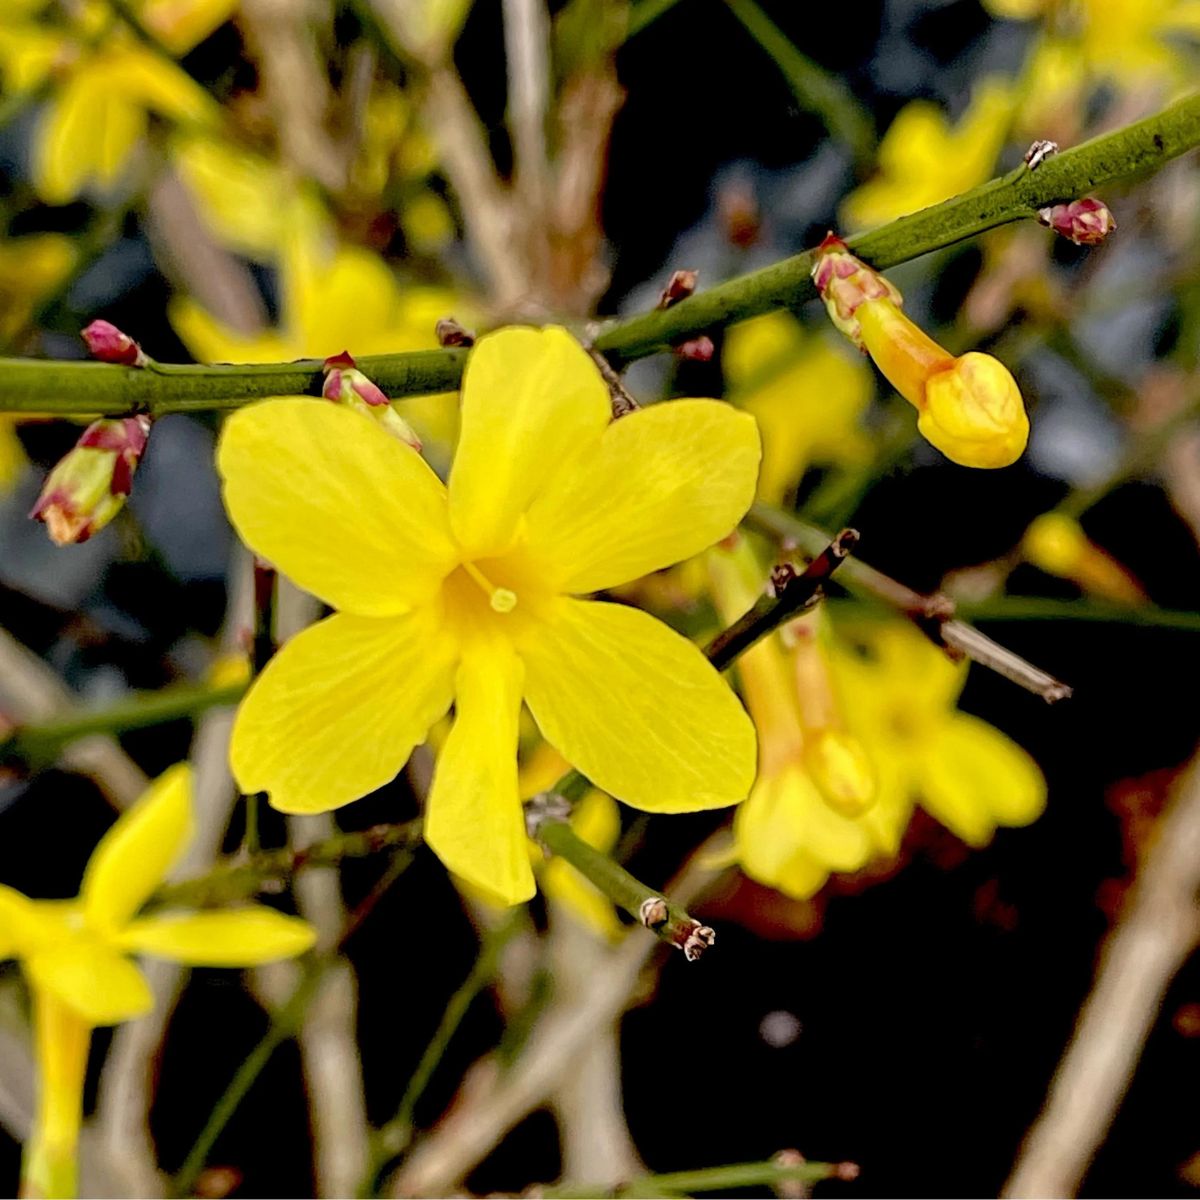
[107, 84]
[808, 397]
[1055, 543]
[814, 808]
[332, 297]
[75, 956]
[466, 593]
[923, 160]
[899, 692]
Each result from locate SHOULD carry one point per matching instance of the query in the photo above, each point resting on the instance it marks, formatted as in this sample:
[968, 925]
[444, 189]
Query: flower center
[501, 599]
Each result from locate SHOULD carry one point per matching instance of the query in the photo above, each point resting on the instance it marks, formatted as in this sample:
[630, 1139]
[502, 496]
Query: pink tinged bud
[108, 344]
[845, 283]
[1085, 222]
[679, 287]
[346, 384]
[87, 488]
[699, 349]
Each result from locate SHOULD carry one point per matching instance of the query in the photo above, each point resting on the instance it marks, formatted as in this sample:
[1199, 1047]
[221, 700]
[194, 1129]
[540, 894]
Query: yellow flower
[969, 407]
[466, 594]
[807, 397]
[1055, 543]
[814, 808]
[333, 297]
[107, 84]
[74, 954]
[900, 693]
[923, 161]
[31, 267]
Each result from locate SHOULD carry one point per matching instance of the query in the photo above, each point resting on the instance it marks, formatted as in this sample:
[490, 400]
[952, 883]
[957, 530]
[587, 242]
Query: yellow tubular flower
[807, 396]
[923, 161]
[792, 833]
[1056, 544]
[75, 957]
[969, 407]
[900, 697]
[467, 594]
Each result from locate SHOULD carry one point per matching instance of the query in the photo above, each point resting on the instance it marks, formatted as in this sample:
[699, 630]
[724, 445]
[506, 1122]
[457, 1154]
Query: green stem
[1040, 608]
[95, 388]
[394, 1137]
[42, 742]
[814, 88]
[712, 1179]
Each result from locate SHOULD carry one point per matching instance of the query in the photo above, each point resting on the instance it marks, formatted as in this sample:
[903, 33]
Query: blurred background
[264, 180]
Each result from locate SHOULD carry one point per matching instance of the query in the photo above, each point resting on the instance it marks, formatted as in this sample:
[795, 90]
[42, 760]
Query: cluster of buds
[968, 406]
[1085, 222]
[346, 384]
[87, 488]
[108, 344]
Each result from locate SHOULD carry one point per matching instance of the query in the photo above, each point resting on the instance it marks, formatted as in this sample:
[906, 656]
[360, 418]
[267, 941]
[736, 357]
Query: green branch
[94, 388]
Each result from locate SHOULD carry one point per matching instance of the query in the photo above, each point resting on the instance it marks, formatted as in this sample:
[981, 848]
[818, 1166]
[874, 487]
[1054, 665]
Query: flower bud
[1055, 543]
[89, 485]
[969, 407]
[1085, 222]
[698, 349]
[346, 384]
[679, 287]
[107, 343]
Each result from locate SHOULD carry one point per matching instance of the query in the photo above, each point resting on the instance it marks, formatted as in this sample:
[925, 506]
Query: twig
[669, 920]
[933, 615]
[527, 47]
[721, 1179]
[61, 387]
[1154, 936]
[791, 593]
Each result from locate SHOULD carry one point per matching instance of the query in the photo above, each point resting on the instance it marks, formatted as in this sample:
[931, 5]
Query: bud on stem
[1085, 222]
[108, 344]
[346, 384]
[89, 485]
[969, 407]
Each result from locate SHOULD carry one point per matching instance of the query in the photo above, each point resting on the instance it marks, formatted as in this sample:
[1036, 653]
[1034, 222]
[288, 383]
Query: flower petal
[531, 399]
[241, 937]
[100, 984]
[474, 822]
[338, 710]
[18, 922]
[347, 512]
[975, 778]
[682, 744]
[664, 483]
[134, 856]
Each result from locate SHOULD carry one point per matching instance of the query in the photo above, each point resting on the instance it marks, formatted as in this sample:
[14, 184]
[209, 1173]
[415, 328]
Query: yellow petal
[663, 483]
[134, 856]
[100, 984]
[347, 512]
[212, 341]
[18, 922]
[338, 710]
[141, 77]
[974, 778]
[679, 747]
[474, 822]
[242, 937]
[531, 399]
[64, 148]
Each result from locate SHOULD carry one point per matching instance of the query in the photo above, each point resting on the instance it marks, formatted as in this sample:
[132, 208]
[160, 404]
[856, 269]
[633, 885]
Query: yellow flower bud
[1056, 544]
[974, 413]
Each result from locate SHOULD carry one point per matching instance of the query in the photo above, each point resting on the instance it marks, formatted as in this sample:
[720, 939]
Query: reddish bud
[450, 333]
[700, 349]
[346, 384]
[108, 344]
[88, 487]
[1085, 222]
[679, 287]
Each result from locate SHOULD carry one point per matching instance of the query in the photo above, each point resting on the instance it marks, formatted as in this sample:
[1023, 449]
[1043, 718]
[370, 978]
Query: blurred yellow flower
[899, 692]
[807, 395]
[814, 808]
[106, 86]
[1055, 543]
[923, 160]
[75, 956]
[467, 594]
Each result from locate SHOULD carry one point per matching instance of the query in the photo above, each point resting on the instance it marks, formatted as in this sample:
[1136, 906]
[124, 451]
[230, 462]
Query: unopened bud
[107, 343]
[1055, 543]
[700, 349]
[346, 384]
[969, 407]
[1085, 222]
[450, 333]
[89, 485]
[679, 287]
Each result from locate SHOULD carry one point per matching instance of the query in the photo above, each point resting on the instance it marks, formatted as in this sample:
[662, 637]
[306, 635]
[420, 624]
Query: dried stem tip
[696, 940]
[654, 912]
[679, 287]
[450, 333]
[108, 344]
